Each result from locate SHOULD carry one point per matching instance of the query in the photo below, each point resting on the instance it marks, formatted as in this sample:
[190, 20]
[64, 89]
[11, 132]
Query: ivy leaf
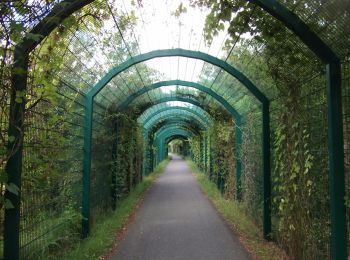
[20, 95]
[34, 36]
[19, 71]
[13, 188]
[19, 100]
[8, 204]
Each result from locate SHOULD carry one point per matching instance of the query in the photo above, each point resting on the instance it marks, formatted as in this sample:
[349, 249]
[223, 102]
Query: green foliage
[269, 54]
[251, 159]
[178, 146]
[213, 151]
[129, 154]
[105, 232]
[222, 157]
[52, 163]
[289, 74]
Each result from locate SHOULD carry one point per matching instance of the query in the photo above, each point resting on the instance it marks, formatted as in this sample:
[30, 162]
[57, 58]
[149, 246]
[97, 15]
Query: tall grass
[103, 235]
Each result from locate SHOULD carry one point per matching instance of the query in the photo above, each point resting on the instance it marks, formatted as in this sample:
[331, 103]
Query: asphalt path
[176, 221]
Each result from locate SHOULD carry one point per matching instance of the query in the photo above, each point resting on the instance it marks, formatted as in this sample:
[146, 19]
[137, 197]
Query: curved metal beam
[174, 126]
[183, 83]
[277, 10]
[178, 116]
[170, 132]
[176, 111]
[177, 123]
[194, 126]
[206, 117]
[178, 53]
[192, 101]
[160, 141]
[298, 27]
[196, 55]
[169, 139]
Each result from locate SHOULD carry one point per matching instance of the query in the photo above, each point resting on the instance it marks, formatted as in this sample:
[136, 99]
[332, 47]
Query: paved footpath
[176, 221]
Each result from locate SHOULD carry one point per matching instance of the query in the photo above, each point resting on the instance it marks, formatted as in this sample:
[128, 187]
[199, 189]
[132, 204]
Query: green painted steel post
[154, 158]
[114, 177]
[162, 151]
[158, 152]
[87, 165]
[266, 170]
[14, 163]
[147, 158]
[144, 164]
[336, 162]
[204, 153]
[151, 158]
[238, 134]
[201, 145]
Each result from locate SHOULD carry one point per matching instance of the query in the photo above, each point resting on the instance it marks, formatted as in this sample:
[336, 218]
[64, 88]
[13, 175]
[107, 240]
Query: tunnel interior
[96, 94]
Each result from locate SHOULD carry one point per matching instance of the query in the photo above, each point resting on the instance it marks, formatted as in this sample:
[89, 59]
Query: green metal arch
[273, 7]
[173, 110]
[161, 140]
[195, 85]
[173, 125]
[169, 139]
[178, 53]
[189, 54]
[196, 128]
[175, 136]
[334, 104]
[192, 101]
[161, 143]
[151, 138]
[170, 132]
[190, 118]
[170, 125]
[165, 108]
[187, 115]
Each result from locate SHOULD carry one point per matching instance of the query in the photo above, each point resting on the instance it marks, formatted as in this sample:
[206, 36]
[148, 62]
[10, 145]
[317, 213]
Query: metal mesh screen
[52, 171]
[346, 120]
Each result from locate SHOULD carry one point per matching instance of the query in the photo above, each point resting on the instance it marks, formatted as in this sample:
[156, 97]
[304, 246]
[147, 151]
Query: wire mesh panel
[102, 142]
[4, 116]
[252, 173]
[81, 50]
[52, 171]
[346, 120]
[300, 161]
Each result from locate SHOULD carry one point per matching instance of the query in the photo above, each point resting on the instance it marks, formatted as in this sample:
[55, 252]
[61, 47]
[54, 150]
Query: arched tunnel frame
[276, 9]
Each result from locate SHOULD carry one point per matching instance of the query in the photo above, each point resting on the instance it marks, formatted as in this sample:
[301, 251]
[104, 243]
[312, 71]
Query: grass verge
[104, 233]
[241, 224]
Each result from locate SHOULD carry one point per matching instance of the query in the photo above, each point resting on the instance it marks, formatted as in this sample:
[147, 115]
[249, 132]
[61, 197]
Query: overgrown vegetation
[51, 188]
[70, 60]
[294, 81]
[105, 232]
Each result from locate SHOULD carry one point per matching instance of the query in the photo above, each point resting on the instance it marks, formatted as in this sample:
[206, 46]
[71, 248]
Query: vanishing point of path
[176, 221]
